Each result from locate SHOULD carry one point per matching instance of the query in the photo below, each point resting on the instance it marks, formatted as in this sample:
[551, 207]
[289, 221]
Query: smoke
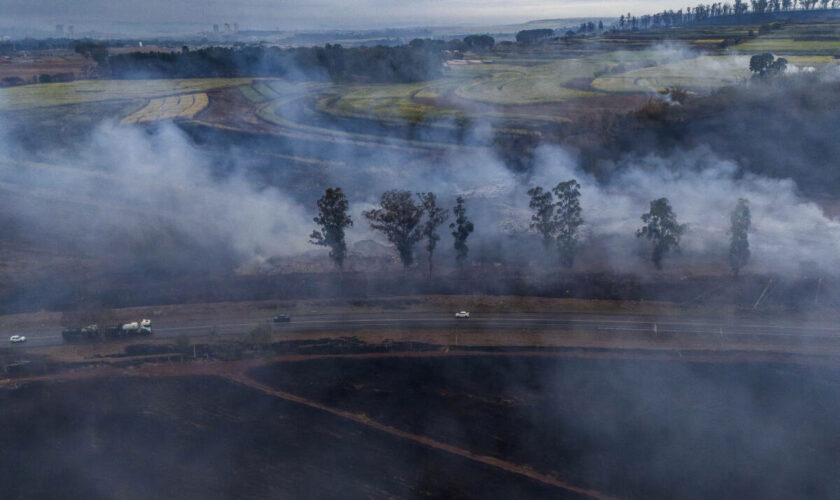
[789, 233]
[158, 196]
[153, 194]
[135, 194]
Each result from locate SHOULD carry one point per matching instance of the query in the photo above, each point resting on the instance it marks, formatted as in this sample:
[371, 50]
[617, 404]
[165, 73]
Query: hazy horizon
[301, 15]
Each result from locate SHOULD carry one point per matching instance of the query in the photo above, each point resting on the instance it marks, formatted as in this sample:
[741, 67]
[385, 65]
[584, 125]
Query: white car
[462, 314]
[14, 339]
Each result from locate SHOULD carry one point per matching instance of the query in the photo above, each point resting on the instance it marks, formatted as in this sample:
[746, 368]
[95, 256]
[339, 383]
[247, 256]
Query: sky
[312, 14]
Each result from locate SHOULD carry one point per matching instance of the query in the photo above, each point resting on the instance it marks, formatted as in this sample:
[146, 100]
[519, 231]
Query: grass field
[791, 46]
[700, 73]
[522, 84]
[387, 102]
[56, 94]
[515, 84]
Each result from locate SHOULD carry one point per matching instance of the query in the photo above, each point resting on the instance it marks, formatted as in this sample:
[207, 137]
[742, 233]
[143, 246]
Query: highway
[488, 323]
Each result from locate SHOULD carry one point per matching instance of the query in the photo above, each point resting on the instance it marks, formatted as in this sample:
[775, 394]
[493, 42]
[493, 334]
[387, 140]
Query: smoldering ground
[151, 196]
[158, 199]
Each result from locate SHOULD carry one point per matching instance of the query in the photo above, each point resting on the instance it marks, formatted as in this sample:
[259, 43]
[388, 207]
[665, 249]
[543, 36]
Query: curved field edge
[56, 94]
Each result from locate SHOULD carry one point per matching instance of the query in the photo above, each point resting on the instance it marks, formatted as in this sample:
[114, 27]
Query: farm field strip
[271, 112]
[57, 94]
[791, 46]
[168, 108]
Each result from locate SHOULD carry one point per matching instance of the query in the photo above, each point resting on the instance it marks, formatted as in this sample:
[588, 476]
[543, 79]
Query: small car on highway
[16, 339]
[462, 315]
[281, 318]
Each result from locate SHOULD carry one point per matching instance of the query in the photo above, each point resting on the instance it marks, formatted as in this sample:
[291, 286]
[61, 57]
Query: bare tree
[461, 230]
[662, 229]
[333, 220]
[739, 246]
[567, 219]
[398, 218]
[435, 216]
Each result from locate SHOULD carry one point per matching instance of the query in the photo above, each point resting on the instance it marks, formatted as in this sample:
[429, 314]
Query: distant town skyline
[308, 14]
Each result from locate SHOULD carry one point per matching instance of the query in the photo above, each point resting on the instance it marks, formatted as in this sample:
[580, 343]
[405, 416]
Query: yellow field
[56, 94]
[168, 108]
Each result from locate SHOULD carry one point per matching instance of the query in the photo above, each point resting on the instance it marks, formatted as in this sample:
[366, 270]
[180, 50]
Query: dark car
[282, 318]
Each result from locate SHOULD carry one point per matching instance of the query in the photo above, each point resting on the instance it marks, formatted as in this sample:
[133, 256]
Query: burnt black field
[632, 429]
[206, 438]
[628, 428]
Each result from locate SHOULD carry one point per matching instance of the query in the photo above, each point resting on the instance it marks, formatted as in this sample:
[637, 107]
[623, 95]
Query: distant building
[59, 29]
[236, 27]
[71, 30]
[216, 29]
[227, 27]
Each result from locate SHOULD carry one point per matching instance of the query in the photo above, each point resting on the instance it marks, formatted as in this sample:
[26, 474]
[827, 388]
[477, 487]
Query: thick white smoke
[128, 181]
[789, 234]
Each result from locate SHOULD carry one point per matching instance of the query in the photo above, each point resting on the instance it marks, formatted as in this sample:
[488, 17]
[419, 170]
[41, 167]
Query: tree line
[406, 219]
[704, 12]
[418, 61]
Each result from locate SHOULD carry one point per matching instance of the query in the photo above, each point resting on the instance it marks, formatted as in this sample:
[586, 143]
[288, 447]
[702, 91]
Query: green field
[791, 46]
[700, 73]
[56, 94]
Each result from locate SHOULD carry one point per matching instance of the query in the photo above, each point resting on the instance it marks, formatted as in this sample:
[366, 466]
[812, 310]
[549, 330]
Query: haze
[303, 14]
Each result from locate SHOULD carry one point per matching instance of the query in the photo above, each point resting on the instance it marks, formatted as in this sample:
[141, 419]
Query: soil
[656, 429]
[427, 423]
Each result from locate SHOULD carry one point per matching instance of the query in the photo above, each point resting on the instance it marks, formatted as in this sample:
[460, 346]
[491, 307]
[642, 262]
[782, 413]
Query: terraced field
[267, 90]
[168, 108]
[56, 94]
[821, 38]
[791, 46]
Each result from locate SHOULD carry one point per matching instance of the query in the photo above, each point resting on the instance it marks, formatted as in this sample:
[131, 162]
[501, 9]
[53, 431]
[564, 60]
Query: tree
[398, 218]
[777, 67]
[480, 42]
[462, 228]
[435, 216]
[662, 228]
[760, 62]
[533, 36]
[765, 65]
[543, 220]
[567, 219]
[333, 220]
[739, 247]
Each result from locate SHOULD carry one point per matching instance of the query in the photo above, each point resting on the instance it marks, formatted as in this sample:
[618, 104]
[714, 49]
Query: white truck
[94, 332]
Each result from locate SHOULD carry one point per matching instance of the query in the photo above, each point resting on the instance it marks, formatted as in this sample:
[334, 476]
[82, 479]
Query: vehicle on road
[94, 332]
[15, 339]
[282, 318]
[462, 315]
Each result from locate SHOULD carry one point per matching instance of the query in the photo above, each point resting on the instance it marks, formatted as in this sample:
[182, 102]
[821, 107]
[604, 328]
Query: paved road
[543, 323]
